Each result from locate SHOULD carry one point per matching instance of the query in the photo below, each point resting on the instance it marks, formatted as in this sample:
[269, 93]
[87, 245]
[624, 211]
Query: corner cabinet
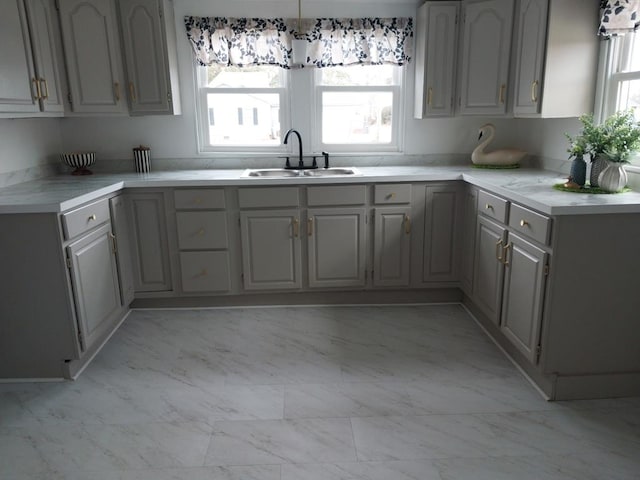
[436, 45]
[486, 47]
[555, 40]
[148, 31]
[28, 60]
[92, 54]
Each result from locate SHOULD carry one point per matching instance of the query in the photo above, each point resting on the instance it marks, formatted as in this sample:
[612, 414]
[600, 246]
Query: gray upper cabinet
[336, 242]
[150, 250]
[28, 58]
[95, 284]
[271, 249]
[523, 294]
[149, 42]
[392, 239]
[555, 40]
[486, 47]
[92, 54]
[436, 47]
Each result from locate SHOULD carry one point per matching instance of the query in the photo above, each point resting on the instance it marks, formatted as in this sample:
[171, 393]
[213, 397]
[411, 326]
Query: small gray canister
[142, 159]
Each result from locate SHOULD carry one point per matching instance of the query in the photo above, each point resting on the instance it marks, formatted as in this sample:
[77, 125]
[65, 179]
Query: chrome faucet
[300, 158]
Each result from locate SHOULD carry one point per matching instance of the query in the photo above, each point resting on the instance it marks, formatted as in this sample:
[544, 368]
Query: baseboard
[610, 385]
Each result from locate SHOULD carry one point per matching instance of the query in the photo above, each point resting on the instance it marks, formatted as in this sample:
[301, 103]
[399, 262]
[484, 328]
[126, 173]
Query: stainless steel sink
[331, 172]
[271, 172]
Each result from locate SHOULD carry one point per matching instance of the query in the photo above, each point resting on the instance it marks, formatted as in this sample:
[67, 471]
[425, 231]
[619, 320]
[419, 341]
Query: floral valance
[619, 17]
[328, 41]
[240, 41]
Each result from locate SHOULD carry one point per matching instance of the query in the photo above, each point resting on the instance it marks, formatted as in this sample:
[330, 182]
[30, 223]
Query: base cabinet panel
[205, 272]
[271, 249]
[392, 240]
[95, 284]
[488, 268]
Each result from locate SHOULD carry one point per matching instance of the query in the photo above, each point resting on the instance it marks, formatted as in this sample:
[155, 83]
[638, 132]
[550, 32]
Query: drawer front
[268, 197]
[388, 194]
[202, 230]
[205, 271]
[336, 195]
[83, 219]
[530, 223]
[199, 198]
[492, 206]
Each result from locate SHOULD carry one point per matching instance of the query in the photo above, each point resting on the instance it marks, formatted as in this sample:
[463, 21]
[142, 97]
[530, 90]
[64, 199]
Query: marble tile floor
[308, 393]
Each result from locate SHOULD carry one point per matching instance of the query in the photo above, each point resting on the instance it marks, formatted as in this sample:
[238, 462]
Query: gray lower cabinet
[391, 243]
[470, 205]
[488, 272]
[124, 256]
[523, 294]
[271, 257]
[336, 247]
[151, 261]
[96, 289]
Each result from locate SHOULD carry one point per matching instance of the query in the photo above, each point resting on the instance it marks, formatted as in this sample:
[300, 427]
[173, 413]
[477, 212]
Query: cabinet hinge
[68, 262]
[546, 270]
[169, 98]
[538, 352]
[69, 98]
[57, 5]
[238, 222]
[372, 274]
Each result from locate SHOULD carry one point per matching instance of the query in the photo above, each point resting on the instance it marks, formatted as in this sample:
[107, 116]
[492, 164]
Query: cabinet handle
[505, 254]
[534, 91]
[116, 89]
[499, 250]
[488, 206]
[296, 227]
[391, 196]
[524, 223]
[45, 88]
[132, 91]
[407, 224]
[114, 243]
[503, 87]
[92, 217]
[429, 96]
[310, 226]
[38, 95]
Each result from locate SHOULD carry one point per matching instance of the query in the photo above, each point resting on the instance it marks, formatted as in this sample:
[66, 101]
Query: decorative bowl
[80, 161]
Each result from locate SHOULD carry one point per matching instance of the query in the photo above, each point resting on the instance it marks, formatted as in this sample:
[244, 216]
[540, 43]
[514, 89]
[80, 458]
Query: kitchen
[154, 398]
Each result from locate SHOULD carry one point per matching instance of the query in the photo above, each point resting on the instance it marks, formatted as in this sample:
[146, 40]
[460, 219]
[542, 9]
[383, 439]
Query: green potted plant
[611, 143]
[578, 148]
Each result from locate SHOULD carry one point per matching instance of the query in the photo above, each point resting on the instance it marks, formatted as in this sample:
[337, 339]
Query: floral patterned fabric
[365, 41]
[329, 41]
[619, 17]
[240, 41]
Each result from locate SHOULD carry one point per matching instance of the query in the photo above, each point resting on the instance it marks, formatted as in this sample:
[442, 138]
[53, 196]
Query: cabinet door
[532, 34]
[391, 246]
[485, 56]
[123, 250]
[92, 53]
[45, 42]
[17, 77]
[436, 47]
[441, 249]
[524, 282]
[145, 48]
[469, 238]
[336, 247]
[488, 269]
[95, 284]
[271, 249]
[152, 271]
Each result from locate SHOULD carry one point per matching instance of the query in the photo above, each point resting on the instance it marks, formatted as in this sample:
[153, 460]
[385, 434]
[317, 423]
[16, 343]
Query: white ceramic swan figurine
[506, 156]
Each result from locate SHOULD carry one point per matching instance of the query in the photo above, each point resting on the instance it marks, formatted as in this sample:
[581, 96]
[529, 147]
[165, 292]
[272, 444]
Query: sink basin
[331, 172]
[271, 172]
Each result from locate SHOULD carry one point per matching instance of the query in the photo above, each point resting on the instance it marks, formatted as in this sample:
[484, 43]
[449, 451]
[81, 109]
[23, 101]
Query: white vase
[613, 178]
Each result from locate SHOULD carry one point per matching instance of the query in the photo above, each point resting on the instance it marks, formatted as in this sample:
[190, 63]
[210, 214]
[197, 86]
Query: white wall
[175, 137]
[26, 143]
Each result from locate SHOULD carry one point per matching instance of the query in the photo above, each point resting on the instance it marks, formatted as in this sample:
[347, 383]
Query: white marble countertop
[530, 187]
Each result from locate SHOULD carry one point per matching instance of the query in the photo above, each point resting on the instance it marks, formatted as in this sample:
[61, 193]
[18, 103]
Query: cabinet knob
[488, 206]
[92, 217]
[201, 232]
[391, 195]
[197, 201]
[524, 223]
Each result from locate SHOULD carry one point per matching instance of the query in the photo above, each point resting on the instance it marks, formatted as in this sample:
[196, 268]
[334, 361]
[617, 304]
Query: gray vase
[598, 164]
[578, 172]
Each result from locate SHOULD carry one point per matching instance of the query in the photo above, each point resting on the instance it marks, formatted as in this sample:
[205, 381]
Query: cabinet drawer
[530, 223]
[199, 198]
[201, 230]
[392, 193]
[492, 206]
[336, 195]
[268, 197]
[85, 218]
[205, 271]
